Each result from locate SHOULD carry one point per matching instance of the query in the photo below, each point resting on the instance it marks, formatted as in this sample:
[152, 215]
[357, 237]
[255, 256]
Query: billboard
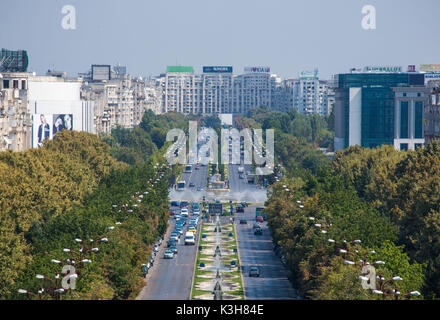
[430, 68]
[13, 61]
[45, 126]
[180, 69]
[100, 72]
[257, 69]
[41, 129]
[217, 69]
[431, 76]
[62, 122]
[383, 69]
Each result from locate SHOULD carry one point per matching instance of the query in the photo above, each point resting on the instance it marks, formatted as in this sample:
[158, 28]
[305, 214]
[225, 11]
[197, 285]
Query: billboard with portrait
[41, 129]
[62, 122]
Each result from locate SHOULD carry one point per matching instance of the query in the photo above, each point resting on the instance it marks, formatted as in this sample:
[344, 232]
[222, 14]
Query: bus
[188, 168]
[260, 212]
[181, 185]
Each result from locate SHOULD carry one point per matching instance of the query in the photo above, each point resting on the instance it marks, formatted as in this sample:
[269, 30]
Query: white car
[189, 238]
[168, 254]
[184, 212]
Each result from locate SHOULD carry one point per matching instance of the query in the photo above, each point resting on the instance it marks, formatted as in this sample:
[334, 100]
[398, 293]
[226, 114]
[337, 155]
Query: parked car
[179, 230]
[243, 221]
[184, 204]
[239, 208]
[175, 203]
[168, 254]
[244, 204]
[192, 185]
[184, 212]
[200, 188]
[172, 212]
[259, 219]
[254, 272]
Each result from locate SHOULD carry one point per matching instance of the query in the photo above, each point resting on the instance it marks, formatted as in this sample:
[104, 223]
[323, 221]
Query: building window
[418, 119]
[404, 120]
[404, 146]
[5, 84]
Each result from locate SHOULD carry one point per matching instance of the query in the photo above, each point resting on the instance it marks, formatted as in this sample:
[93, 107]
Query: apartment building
[310, 94]
[120, 99]
[432, 113]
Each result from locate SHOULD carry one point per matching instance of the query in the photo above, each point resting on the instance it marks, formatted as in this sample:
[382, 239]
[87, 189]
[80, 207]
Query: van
[189, 238]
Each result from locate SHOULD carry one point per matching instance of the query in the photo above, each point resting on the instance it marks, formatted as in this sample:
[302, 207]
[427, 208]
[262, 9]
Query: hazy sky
[287, 35]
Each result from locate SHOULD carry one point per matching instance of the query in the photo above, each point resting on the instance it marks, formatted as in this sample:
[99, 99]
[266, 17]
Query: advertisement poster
[62, 121]
[41, 129]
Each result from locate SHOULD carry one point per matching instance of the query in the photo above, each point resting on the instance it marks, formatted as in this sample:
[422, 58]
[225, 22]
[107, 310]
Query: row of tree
[73, 188]
[388, 199]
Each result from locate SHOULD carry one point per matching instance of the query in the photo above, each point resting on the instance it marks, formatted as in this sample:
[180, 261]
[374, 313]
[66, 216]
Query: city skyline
[289, 37]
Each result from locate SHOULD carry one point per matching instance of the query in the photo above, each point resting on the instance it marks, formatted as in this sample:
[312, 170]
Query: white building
[310, 94]
[55, 104]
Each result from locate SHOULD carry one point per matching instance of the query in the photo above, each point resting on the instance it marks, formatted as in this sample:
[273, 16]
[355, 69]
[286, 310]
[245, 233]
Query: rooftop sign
[257, 69]
[184, 69]
[383, 69]
[217, 69]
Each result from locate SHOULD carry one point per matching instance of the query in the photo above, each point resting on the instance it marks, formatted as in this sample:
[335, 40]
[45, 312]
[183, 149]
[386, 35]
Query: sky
[289, 36]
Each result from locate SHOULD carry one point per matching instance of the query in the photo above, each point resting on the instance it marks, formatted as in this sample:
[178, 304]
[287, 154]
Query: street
[256, 250]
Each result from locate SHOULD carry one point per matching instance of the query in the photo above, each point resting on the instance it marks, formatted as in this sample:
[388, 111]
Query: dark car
[184, 204]
[174, 249]
[258, 231]
[239, 208]
[254, 272]
[171, 243]
[243, 221]
[244, 204]
[172, 212]
[259, 218]
[192, 185]
[175, 203]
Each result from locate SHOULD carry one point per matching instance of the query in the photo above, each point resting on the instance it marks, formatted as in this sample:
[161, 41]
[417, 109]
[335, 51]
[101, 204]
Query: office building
[379, 106]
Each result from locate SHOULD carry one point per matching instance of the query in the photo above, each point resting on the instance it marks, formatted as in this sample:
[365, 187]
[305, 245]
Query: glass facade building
[373, 109]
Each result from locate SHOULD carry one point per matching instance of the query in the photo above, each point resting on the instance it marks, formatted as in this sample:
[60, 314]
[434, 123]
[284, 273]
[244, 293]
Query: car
[241, 176]
[174, 249]
[180, 223]
[171, 243]
[258, 231]
[189, 238]
[175, 203]
[184, 204]
[197, 167]
[254, 272]
[173, 212]
[244, 204]
[184, 212]
[243, 221]
[179, 230]
[192, 229]
[259, 219]
[199, 188]
[192, 185]
[239, 208]
[174, 236]
[196, 212]
[168, 254]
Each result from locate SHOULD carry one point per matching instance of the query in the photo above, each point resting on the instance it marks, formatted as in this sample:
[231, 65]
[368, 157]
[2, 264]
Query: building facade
[432, 114]
[372, 109]
[310, 94]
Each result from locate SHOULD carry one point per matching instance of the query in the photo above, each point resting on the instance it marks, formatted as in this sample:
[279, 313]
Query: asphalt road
[171, 279]
[257, 250]
[199, 178]
[241, 190]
